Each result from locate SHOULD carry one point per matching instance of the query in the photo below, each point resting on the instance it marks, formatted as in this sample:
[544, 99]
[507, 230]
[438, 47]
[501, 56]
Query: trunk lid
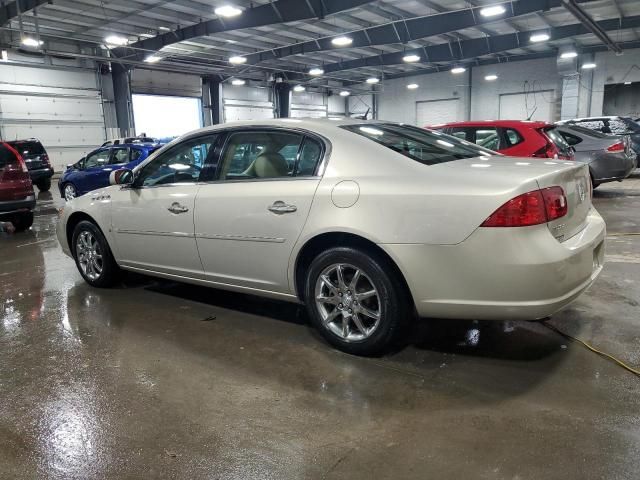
[515, 176]
[15, 183]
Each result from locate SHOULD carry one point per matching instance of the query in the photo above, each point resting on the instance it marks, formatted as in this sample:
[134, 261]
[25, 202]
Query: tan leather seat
[268, 165]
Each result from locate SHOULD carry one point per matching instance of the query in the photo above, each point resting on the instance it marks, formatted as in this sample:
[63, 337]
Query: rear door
[248, 220]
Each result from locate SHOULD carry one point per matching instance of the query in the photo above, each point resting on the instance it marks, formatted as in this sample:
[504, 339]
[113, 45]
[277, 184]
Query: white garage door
[246, 103]
[527, 106]
[434, 112]
[60, 107]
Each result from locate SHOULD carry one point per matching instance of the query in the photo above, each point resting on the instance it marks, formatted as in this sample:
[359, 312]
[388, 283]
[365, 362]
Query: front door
[153, 219]
[93, 170]
[249, 219]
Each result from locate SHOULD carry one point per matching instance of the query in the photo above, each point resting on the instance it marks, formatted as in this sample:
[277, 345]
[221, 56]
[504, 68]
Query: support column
[122, 99]
[283, 100]
[212, 96]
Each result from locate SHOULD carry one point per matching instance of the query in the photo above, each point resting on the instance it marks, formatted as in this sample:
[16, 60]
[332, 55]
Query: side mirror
[123, 176]
[70, 166]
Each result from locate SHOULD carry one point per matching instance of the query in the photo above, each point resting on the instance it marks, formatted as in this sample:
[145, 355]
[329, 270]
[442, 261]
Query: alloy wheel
[348, 302]
[89, 255]
[69, 192]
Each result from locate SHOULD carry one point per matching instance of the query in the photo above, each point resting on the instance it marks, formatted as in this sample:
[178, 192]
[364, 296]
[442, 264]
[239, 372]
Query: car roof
[497, 123]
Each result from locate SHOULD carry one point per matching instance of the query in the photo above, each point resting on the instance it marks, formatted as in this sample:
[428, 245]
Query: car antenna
[364, 117]
[534, 111]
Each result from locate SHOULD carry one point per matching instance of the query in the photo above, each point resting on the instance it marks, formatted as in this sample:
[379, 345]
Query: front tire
[355, 301]
[93, 256]
[69, 192]
[44, 185]
[22, 221]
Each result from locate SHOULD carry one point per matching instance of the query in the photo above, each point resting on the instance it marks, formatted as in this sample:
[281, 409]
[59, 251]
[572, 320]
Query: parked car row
[609, 145]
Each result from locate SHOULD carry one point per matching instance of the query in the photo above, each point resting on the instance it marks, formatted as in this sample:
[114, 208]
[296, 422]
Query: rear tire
[44, 185]
[93, 256]
[22, 221]
[355, 300]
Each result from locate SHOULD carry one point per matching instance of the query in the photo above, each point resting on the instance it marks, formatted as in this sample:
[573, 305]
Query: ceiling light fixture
[228, 11]
[412, 86]
[588, 66]
[539, 37]
[373, 80]
[31, 42]
[345, 93]
[299, 88]
[492, 11]
[491, 78]
[164, 29]
[116, 40]
[152, 59]
[316, 71]
[342, 41]
[237, 60]
[569, 54]
[627, 83]
[411, 58]
[457, 70]
[237, 82]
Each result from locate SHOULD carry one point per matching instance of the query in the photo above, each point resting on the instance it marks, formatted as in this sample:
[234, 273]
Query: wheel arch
[74, 219]
[321, 242]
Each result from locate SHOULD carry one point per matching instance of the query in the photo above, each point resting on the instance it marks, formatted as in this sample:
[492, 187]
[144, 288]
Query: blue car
[92, 172]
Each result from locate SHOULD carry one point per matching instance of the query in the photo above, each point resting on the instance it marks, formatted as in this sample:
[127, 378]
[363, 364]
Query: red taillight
[555, 202]
[45, 159]
[18, 158]
[548, 151]
[531, 208]
[616, 147]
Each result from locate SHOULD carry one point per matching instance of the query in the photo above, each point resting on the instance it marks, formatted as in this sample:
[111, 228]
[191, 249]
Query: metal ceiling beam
[280, 11]
[590, 24]
[411, 29]
[477, 47]
[513, 58]
[13, 9]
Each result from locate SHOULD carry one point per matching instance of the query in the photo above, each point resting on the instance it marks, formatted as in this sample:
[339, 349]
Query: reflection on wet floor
[132, 383]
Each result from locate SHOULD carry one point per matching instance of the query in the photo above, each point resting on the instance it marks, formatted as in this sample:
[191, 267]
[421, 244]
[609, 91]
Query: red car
[17, 199]
[512, 137]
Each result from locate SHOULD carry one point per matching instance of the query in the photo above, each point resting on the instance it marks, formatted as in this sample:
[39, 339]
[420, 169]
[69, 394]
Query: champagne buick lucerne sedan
[367, 223]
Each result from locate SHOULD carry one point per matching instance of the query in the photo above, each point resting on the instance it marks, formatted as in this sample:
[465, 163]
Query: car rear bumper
[612, 167]
[502, 273]
[18, 206]
[40, 174]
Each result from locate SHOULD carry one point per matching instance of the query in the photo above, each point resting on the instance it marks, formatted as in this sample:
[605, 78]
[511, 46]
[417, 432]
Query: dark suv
[37, 160]
[17, 199]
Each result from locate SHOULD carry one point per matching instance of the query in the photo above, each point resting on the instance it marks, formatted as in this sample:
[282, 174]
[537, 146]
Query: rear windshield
[587, 132]
[28, 147]
[7, 157]
[424, 146]
[560, 142]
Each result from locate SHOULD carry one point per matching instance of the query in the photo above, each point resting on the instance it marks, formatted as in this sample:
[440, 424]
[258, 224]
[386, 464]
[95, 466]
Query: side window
[571, 139]
[135, 154]
[120, 155]
[180, 164]
[513, 137]
[97, 159]
[487, 137]
[260, 154]
[461, 133]
[309, 158]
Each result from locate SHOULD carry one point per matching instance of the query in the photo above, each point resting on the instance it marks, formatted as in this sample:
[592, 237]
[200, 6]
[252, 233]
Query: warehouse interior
[161, 379]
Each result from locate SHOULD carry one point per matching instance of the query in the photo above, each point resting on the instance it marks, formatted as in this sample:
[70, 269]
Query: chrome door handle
[280, 207]
[177, 208]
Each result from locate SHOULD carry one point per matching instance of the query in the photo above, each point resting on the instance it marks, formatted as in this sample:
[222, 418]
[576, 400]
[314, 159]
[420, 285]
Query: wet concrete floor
[142, 382]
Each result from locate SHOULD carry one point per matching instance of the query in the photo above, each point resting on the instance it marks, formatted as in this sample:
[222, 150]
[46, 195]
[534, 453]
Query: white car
[367, 223]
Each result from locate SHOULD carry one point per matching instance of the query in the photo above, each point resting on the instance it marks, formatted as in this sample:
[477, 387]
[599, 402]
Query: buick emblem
[581, 191]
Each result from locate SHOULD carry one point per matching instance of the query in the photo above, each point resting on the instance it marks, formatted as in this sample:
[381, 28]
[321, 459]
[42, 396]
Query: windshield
[425, 146]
